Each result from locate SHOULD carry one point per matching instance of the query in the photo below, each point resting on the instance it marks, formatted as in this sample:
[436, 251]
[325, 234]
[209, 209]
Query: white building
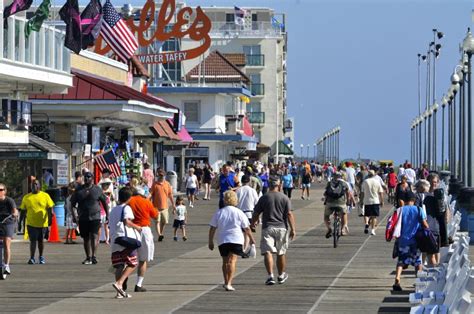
[37, 64]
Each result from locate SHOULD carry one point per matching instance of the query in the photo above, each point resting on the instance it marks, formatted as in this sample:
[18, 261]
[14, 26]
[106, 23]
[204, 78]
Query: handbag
[391, 224]
[425, 240]
[125, 240]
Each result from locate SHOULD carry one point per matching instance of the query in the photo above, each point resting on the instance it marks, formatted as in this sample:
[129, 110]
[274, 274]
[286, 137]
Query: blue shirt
[264, 178]
[411, 222]
[287, 181]
[226, 183]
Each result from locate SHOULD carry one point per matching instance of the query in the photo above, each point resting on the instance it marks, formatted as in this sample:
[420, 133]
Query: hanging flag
[91, 21]
[15, 7]
[69, 13]
[239, 16]
[117, 34]
[277, 24]
[107, 161]
[41, 14]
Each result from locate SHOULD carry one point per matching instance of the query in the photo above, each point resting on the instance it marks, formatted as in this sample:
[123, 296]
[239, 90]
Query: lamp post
[429, 114]
[301, 154]
[455, 79]
[468, 47]
[444, 102]
[450, 129]
[436, 52]
[307, 152]
[314, 153]
[435, 136]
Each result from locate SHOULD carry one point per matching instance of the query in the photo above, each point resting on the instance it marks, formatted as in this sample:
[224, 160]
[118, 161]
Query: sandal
[396, 286]
[119, 290]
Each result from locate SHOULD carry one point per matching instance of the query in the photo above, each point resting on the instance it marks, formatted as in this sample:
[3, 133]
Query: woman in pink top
[148, 174]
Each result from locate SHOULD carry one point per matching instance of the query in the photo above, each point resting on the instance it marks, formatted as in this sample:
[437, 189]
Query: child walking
[70, 224]
[180, 218]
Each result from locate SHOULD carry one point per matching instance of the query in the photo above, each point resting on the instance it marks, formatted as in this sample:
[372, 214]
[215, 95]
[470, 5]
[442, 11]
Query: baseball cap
[88, 174]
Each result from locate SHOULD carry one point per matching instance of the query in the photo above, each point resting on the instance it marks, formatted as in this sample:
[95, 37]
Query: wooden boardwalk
[186, 277]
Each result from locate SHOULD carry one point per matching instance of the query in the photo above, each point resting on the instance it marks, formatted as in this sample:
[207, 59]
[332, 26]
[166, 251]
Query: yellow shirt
[36, 206]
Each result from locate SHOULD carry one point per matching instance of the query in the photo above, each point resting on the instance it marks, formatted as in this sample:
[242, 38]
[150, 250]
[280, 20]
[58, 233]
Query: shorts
[179, 224]
[147, 250]
[126, 257]
[274, 240]
[306, 185]
[372, 210]
[190, 192]
[226, 248]
[163, 215]
[408, 255]
[103, 219]
[87, 227]
[36, 233]
[70, 224]
[328, 210]
[7, 230]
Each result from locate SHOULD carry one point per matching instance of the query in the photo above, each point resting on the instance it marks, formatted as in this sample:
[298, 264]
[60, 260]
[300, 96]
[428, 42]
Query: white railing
[43, 49]
[255, 29]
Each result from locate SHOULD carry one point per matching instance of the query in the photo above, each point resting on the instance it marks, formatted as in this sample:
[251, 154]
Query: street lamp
[307, 152]
[301, 146]
[444, 102]
[435, 137]
[468, 47]
[314, 147]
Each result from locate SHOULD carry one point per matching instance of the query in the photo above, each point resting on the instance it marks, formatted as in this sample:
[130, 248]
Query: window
[254, 107]
[230, 18]
[253, 55]
[252, 50]
[191, 111]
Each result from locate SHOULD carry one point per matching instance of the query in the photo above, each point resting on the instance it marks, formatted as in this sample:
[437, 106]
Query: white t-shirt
[229, 222]
[115, 217]
[180, 213]
[350, 172]
[380, 180]
[371, 188]
[248, 198]
[191, 181]
[401, 172]
[411, 175]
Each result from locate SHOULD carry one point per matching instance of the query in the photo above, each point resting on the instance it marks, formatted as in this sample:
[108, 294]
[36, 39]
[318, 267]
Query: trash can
[466, 204]
[172, 178]
[60, 213]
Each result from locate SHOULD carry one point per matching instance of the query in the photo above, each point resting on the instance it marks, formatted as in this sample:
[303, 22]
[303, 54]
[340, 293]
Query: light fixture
[444, 101]
[468, 42]
[435, 107]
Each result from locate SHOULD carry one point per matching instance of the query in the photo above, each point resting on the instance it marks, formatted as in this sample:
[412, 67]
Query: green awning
[284, 149]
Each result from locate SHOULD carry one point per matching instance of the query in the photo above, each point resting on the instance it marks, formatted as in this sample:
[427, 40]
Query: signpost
[198, 30]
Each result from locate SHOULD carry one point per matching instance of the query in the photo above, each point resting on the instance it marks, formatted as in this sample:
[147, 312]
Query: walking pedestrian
[228, 222]
[372, 196]
[8, 215]
[160, 193]
[227, 181]
[88, 198]
[412, 219]
[247, 199]
[180, 219]
[143, 212]
[124, 260]
[208, 175]
[277, 218]
[287, 180]
[192, 185]
[38, 206]
[70, 224]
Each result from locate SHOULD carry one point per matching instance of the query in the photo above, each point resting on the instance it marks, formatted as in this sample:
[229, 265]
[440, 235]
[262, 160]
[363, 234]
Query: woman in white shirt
[191, 186]
[229, 221]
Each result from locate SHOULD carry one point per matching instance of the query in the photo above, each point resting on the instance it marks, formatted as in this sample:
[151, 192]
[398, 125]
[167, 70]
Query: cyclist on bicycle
[336, 196]
[7, 209]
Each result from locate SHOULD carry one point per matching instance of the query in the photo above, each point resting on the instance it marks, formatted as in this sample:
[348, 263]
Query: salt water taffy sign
[198, 30]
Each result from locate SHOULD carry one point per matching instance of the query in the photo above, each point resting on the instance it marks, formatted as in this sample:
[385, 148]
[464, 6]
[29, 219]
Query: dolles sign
[198, 31]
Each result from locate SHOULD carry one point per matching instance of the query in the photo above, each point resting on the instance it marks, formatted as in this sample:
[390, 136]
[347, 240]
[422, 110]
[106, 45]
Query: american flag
[107, 160]
[117, 34]
[239, 16]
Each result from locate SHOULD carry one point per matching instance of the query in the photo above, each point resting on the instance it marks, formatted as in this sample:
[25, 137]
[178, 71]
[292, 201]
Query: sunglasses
[1, 190]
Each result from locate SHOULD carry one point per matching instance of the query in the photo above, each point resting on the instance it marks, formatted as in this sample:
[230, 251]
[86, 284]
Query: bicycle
[337, 225]
[3, 274]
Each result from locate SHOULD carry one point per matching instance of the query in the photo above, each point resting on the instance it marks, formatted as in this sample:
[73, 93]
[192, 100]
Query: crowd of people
[249, 194]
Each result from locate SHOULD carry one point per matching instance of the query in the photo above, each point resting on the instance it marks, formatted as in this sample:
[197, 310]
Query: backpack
[335, 190]
[440, 204]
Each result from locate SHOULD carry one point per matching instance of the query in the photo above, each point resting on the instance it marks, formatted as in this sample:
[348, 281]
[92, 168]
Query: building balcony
[255, 60]
[222, 29]
[257, 89]
[256, 117]
[39, 63]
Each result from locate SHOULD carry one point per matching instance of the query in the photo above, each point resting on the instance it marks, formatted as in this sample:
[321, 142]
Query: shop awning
[247, 127]
[284, 149]
[37, 149]
[99, 101]
[164, 129]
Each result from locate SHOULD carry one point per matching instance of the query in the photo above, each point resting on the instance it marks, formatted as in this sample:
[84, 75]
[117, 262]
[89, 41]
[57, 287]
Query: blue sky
[354, 64]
